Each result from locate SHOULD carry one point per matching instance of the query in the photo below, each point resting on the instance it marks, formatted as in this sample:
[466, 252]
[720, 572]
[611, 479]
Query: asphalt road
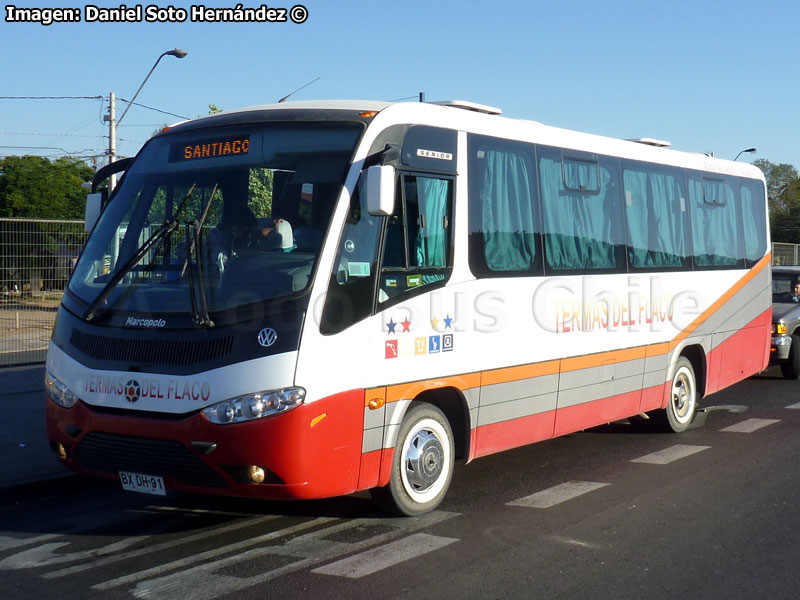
[607, 513]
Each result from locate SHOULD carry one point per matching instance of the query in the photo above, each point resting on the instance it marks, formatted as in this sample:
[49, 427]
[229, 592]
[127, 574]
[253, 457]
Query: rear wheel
[682, 404]
[790, 368]
[422, 465]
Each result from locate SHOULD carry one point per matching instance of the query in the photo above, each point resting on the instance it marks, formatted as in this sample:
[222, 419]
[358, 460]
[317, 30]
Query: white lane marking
[46, 555]
[87, 523]
[377, 559]
[100, 562]
[208, 581]
[794, 405]
[190, 560]
[558, 494]
[750, 425]
[671, 454]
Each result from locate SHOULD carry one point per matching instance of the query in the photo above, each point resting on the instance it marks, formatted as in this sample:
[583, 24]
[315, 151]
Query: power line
[155, 109]
[84, 135]
[51, 97]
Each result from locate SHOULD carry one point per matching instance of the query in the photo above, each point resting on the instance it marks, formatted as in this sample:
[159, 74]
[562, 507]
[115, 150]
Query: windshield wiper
[159, 237]
[200, 314]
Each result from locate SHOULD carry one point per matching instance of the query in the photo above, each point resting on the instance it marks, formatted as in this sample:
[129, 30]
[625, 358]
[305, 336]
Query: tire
[422, 465]
[790, 368]
[682, 405]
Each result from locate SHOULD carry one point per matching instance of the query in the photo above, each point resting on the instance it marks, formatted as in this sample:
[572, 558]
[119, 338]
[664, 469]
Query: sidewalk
[25, 456]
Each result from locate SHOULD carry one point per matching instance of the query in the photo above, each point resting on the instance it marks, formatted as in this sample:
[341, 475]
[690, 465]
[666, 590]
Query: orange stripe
[597, 360]
[407, 391]
[521, 372]
[374, 394]
[702, 318]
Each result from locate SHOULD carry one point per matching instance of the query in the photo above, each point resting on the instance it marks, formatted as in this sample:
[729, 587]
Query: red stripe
[511, 434]
[743, 354]
[590, 414]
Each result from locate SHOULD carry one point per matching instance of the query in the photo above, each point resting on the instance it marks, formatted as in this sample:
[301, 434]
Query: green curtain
[578, 226]
[714, 235]
[655, 219]
[430, 245]
[755, 232]
[507, 212]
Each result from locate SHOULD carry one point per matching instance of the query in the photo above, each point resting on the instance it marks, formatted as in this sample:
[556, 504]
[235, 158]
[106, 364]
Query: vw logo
[267, 337]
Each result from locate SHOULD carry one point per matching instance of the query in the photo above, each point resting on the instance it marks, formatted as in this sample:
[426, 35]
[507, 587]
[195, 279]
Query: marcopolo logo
[145, 323]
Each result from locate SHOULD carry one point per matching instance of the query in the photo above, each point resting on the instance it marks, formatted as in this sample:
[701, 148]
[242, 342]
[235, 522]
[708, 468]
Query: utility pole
[111, 117]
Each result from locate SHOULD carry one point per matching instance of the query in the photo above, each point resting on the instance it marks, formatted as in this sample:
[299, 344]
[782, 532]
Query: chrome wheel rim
[683, 395]
[425, 460]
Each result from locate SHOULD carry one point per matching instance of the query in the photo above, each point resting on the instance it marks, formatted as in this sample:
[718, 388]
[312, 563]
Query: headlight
[254, 406]
[59, 392]
[779, 328]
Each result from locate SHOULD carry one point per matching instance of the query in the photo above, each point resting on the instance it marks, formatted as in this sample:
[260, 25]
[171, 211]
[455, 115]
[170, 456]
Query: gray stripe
[374, 418]
[473, 396]
[656, 363]
[372, 440]
[654, 379]
[513, 390]
[515, 409]
[599, 391]
[612, 371]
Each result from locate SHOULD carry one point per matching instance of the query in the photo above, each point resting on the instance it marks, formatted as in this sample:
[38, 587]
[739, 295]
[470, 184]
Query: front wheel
[422, 465]
[682, 404]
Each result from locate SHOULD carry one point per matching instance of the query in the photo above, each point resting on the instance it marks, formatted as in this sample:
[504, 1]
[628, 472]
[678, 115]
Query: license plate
[145, 484]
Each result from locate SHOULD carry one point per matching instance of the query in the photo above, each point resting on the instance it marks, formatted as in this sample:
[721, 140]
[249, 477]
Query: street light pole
[113, 122]
[746, 151]
[112, 137]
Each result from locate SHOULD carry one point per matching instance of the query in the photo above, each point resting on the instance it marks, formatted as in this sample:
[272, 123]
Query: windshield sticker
[218, 148]
[358, 269]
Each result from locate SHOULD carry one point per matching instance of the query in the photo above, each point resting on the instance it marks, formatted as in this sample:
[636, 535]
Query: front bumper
[312, 451]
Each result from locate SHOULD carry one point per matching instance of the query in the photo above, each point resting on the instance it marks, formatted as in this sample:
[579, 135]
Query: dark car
[785, 350]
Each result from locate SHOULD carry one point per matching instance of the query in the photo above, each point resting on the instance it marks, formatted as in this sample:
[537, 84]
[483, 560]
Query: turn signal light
[779, 328]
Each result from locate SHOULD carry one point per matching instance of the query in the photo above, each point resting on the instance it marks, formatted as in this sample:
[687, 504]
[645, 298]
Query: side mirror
[380, 190]
[94, 206]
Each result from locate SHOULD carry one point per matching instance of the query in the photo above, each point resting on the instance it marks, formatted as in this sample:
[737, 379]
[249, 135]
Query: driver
[231, 235]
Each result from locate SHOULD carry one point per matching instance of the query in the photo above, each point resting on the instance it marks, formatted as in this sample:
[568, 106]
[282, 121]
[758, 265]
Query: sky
[706, 75]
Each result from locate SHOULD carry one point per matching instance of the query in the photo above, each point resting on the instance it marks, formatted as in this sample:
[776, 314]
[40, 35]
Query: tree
[33, 186]
[783, 192]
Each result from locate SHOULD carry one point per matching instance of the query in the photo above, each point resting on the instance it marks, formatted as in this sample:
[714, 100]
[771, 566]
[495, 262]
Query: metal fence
[36, 259]
[785, 254]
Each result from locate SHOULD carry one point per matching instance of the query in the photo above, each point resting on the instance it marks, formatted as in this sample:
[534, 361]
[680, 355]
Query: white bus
[311, 299]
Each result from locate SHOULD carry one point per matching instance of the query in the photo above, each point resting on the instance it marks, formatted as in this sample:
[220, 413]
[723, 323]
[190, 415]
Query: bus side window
[417, 249]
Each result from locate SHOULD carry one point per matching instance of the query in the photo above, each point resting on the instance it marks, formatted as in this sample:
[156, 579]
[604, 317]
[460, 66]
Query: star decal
[435, 323]
[406, 325]
[391, 325]
[448, 322]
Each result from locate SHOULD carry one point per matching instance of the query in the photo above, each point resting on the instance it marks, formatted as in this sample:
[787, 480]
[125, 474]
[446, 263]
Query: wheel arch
[453, 403]
[697, 357]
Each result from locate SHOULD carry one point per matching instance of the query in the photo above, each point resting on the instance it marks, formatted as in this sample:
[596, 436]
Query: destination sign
[214, 148]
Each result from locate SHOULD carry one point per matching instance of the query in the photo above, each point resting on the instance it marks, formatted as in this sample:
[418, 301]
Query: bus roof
[480, 119]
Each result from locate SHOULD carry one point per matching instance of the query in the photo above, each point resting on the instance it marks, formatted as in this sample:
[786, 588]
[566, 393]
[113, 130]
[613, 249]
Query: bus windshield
[214, 219]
